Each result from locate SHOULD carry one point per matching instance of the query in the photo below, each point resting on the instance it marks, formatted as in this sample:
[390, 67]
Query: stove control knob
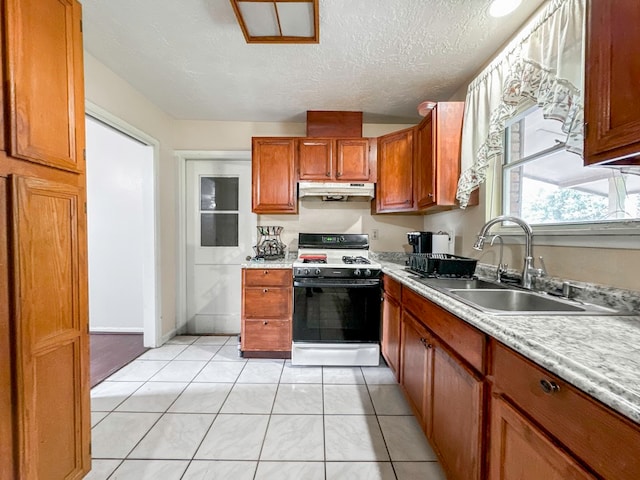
[357, 272]
[306, 271]
[317, 271]
[367, 273]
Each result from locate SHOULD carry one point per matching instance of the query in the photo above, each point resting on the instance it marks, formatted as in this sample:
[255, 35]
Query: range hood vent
[333, 191]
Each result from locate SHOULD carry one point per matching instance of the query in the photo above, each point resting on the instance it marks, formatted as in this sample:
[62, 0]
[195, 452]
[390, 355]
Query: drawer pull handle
[266, 290]
[549, 387]
[424, 342]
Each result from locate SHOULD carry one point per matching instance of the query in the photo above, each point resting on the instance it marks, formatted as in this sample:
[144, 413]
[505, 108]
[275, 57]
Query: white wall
[120, 229]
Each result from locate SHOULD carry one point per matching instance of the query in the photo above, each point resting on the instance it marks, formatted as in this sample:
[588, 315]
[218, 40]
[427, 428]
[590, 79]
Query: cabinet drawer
[266, 335]
[267, 302]
[462, 338]
[276, 277]
[600, 437]
[392, 288]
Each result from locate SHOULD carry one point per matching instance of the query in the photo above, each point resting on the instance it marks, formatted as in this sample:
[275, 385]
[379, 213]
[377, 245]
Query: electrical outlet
[374, 233]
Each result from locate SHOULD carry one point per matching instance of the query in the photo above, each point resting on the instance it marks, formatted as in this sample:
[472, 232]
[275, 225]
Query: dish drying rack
[441, 265]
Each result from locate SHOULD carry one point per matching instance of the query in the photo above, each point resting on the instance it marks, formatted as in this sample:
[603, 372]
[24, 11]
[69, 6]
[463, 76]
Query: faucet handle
[541, 272]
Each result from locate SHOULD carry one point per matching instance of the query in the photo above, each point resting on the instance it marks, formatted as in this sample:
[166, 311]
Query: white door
[221, 233]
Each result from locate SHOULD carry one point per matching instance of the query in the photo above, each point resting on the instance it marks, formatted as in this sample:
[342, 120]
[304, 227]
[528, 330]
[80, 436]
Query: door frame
[151, 325]
[181, 158]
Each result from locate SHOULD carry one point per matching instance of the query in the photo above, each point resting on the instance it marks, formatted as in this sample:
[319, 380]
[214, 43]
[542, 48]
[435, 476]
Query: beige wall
[111, 93]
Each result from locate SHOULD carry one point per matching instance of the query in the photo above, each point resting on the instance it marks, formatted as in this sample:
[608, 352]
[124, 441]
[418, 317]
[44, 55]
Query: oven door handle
[332, 283]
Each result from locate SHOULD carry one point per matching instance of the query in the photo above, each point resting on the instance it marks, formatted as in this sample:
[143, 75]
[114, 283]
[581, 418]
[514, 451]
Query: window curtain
[543, 65]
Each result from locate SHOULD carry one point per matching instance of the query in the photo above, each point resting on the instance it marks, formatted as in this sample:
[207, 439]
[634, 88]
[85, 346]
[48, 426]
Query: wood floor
[112, 351]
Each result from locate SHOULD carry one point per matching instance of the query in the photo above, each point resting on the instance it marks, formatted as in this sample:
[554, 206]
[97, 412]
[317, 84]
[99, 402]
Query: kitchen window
[546, 185]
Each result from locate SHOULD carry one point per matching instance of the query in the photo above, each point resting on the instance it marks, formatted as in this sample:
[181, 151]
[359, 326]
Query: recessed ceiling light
[500, 8]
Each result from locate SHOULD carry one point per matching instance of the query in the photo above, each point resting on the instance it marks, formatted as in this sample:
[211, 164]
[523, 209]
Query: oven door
[336, 310]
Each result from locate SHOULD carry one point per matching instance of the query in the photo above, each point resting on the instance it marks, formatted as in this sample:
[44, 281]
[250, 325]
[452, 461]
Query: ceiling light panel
[260, 18]
[296, 18]
[278, 21]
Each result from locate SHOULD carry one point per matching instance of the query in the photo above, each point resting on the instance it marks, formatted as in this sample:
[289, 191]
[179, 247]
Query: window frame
[616, 233]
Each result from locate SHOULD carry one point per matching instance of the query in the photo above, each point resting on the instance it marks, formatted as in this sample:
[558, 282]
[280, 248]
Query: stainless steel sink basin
[521, 302]
[460, 283]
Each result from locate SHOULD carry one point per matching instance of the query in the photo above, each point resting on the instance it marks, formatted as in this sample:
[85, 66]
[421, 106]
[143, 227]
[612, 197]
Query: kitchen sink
[507, 301]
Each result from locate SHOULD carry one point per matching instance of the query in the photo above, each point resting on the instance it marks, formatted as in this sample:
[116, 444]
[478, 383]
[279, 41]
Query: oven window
[336, 314]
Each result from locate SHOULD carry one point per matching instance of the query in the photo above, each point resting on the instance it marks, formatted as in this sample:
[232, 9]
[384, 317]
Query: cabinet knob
[339, 174]
[549, 387]
[266, 290]
[430, 195]
[424, 342]
[328, 174]
[406, 201]
[266, 272]
[265, 323]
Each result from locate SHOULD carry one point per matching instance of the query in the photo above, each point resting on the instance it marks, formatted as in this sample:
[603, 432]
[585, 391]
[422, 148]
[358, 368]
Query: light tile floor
[194, 410]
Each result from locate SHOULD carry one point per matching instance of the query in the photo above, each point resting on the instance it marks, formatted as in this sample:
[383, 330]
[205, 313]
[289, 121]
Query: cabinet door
[395, 172]
[50, 328]
[457, 415]
[273, 176]
[425, 181]
[519, 451]
[315, 159]
[415, 365]
[391, 313]
[45, 76]
[352, 159]
[612, 89]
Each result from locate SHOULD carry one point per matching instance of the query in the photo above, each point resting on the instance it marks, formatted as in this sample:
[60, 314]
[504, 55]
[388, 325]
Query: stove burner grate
[351, 260]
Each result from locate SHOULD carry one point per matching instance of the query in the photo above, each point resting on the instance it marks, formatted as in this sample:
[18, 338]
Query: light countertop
[599, 355]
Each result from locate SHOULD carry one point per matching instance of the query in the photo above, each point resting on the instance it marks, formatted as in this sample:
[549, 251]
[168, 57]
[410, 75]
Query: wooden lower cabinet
[601, 439]
[415, 364]
[391, 321]
[267, 309]
[532, 425]
[520, 451]
[457, 415]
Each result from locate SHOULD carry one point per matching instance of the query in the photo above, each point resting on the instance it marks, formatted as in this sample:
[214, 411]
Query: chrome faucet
[528, 270]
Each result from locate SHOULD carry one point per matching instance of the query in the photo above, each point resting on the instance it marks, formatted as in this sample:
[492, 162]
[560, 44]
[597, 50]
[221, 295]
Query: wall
[120, 229]
[110, 92]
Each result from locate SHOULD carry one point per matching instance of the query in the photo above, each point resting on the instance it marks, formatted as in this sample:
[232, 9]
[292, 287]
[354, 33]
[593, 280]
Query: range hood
[336, 191]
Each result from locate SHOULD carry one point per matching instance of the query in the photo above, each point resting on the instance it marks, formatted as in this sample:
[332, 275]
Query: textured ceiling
[381, 57]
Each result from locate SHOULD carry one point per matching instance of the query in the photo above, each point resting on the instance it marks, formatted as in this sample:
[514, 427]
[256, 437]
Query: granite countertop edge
[598, 355]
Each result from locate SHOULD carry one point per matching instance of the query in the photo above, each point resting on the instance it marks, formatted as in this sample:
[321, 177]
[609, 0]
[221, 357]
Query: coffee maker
[429, 242]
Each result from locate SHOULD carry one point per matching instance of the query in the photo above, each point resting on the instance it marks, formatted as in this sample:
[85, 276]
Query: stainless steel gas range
[336, 304]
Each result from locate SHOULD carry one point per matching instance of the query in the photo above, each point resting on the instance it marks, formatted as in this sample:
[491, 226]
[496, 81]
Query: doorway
[219, 234]
[121, 244]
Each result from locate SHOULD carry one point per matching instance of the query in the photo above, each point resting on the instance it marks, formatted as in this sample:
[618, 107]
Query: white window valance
[543, 65]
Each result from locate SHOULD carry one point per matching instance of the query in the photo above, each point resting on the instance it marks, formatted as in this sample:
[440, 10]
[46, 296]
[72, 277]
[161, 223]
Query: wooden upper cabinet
[273, 164]
[316, 159]
[395, 172]
[437, 159]
[45, 82]
[330, 159]
[612, 88]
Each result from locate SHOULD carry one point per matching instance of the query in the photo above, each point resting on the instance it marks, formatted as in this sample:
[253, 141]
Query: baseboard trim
[116, 330]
